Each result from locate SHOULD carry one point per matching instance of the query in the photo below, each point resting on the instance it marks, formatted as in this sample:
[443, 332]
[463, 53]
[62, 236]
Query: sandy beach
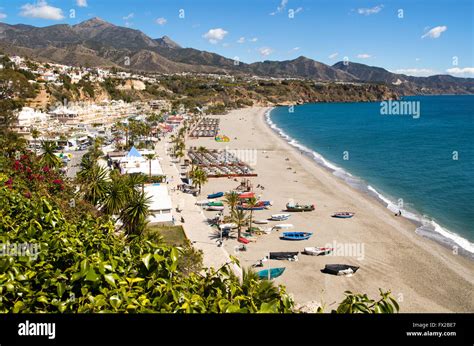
[422, 275]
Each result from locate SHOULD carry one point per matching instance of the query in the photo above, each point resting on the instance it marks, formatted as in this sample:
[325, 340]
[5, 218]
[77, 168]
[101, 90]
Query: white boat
[203, 202]
[227, 226]
[317, 251]
[283, 226]
[260, 222]
[215, 208]
[280, 217]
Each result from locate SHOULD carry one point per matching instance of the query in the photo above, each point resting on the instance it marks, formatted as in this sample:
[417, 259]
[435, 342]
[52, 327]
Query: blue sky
[417, 37]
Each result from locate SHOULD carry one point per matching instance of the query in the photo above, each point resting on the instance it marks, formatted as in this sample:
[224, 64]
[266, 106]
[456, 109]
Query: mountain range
[97, 43]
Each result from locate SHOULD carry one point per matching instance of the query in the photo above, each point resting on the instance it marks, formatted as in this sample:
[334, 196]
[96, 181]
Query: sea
[415, 155]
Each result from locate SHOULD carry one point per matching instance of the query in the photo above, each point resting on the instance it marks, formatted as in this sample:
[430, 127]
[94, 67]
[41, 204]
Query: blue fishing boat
[270, 273]
[296, 235]
[215, 195]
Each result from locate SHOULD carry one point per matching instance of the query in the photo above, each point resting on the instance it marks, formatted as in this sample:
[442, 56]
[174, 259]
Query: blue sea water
[422, 165]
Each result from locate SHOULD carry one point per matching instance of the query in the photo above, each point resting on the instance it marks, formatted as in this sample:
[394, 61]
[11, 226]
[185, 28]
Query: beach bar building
[135, 163]
[160, 205]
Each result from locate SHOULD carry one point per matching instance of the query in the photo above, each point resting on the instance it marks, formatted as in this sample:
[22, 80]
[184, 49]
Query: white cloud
[419, 72]
[41, 9]
[265, 51]
[161, 21]
[241, 40]
[364, 56]
[417, 59]
[215, 35]
[369, 11]
[81, 3]
[435, 32]
[129, 16]
[3, 15]
[296, 49]
[280, 8]
[253, 39]
[333, 56]
[461, 71]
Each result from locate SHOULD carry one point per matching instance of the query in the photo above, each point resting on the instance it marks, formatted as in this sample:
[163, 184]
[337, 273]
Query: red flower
[57, 181]
[27, 195]
[40, 178]
[46, 169]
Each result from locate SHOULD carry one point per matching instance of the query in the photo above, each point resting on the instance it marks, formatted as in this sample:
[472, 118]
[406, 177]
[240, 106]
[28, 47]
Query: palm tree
[232, 199]
[93, 181]
[135, 213]
[35, 134]
[49, 158]
[252, 203]
[239, 217]
[199, 178]
[116, 196]
[150, 157]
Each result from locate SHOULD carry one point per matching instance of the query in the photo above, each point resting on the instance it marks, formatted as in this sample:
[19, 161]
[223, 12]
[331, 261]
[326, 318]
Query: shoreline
[426, 227]
[423, 276]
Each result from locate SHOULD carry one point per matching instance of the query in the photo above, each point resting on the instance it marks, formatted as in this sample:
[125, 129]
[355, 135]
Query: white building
[160, 205]
[135, 163]
[28, 116]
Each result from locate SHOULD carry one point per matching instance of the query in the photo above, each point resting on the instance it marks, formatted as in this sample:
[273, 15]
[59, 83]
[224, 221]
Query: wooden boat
[339, 269]
[215, 204]
[243, 240]
[282, 255]
[343, 215]
[318, 251]
[245, 195]
[299, 208]
[215, 195]
[215, 208]
[283, 226]
[296, 235]
[203, 202]
[270, 273]
[260, 222]
[280, 217]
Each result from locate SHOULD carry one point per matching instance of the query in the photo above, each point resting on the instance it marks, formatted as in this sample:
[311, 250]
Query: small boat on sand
[243, 240]
[343, 215]
[280, 217]
[270, 273]
[215, 208]
[296, 235]
[215, 204]
[283, 255]
[339, 269]
[245, 195]
[203, 202]
[299, 207]
[317, 251]
[247, 207]
[215, 195]
[283, 226]
[260, 222]
[227, 226]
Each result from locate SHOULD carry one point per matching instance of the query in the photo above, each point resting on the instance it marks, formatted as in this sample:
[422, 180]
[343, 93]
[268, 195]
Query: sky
[415, 37]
